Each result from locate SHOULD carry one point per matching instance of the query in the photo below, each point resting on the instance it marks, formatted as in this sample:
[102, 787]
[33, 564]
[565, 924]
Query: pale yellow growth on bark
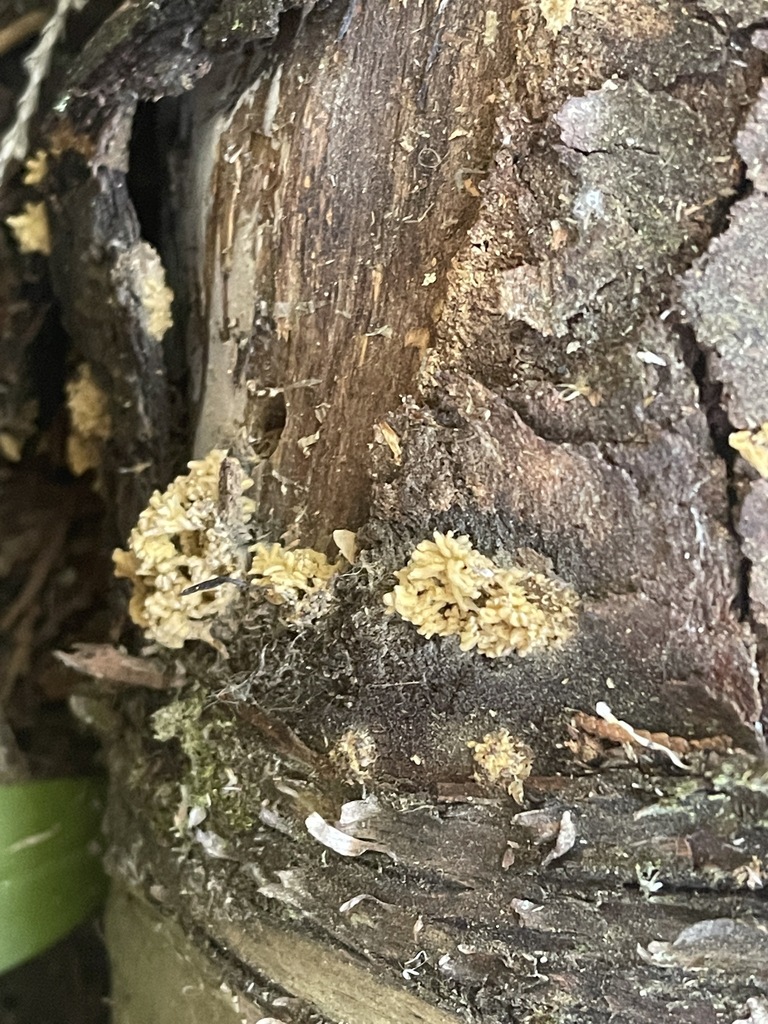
[290, 574]
[183, 538]
[502, 761]
[36, 168]
[752, 445]
[90, 421]
[355, 754]
[450, 589]
[557, 13]
[30, 229]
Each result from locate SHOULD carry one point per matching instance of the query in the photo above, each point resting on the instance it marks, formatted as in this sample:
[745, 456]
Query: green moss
[742, 771]
[218, 760]
[181, 720]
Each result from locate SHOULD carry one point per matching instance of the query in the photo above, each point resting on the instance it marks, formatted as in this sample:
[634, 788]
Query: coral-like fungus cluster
[183, 538]
[502, 761]
[450, 589]
[289, 575]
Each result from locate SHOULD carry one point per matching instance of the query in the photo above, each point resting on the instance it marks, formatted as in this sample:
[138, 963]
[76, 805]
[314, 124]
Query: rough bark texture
[450, 266]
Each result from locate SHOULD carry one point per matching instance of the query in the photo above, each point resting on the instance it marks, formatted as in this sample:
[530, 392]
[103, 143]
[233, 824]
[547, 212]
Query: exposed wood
[447, 267]
[321, 277]
[626, 916]
[343, 989]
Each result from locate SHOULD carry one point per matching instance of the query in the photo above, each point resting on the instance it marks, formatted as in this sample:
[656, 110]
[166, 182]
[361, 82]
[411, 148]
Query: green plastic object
[51, 876]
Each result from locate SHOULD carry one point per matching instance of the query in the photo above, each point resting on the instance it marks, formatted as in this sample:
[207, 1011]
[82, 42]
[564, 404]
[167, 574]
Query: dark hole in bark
[271, 424]
[720, 427]
[710, 392]
[147, 177]
[274, 418]
[741, 190]
[154, 141]
[48, 362]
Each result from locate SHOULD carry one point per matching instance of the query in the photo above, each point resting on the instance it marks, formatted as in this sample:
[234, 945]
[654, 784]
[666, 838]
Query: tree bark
[492, 269]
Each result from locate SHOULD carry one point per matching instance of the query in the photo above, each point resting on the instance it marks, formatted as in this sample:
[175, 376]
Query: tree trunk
[490, 269]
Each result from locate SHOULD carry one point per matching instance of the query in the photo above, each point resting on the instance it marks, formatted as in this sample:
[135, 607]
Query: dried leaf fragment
[357, 812]
[543, 824]
[579, 389]
[306, 442]
[526, 911]
[750, 874]
[112, 667]
[566, 837]
[346, 542]
[508, 857]
[389, 436]
[213, 844]
[350, 904]
[338, 841]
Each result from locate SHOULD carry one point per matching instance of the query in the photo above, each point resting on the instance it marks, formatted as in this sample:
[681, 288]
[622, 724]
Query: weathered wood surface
[487, 231]
[339, 188]
[650, 908]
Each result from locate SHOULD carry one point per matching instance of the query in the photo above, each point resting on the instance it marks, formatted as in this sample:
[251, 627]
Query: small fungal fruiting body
[752, 445]
[502, 761]
[355, 754]
[289, 575]
[183, 538]
[450, 589]
[142, 266]
[190, 540]
[36, 168]
[30, 229]
[90, 421]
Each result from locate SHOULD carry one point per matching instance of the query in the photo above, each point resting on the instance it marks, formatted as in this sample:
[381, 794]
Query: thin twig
[635, 737]
[16, 139]
[38, 575]
[22, 29]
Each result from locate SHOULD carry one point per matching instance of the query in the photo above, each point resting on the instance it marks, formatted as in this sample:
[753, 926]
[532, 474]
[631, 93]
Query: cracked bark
[343, 269]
